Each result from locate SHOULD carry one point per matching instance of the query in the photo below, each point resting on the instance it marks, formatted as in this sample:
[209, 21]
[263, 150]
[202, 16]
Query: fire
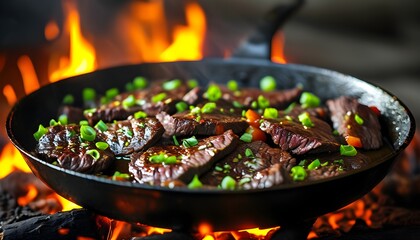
[82, 57]
[11, 160]
[30, 80]
[29, 197]
[277, 53]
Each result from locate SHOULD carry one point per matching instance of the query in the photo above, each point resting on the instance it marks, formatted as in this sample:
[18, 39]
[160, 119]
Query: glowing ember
[29, 197]
[82, 57]
[51, 30]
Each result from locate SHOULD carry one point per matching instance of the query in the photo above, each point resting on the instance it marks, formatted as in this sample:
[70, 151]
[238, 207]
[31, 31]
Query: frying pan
[187, 209]
[182, 208]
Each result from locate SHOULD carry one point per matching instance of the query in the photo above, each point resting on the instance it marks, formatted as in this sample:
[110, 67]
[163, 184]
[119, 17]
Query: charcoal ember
[62, 145]
[224, 117]
[278, 98]
[344, 111]
[133, 135]
[190, 160]
[252, 165]
[292, 136]
[17, 184]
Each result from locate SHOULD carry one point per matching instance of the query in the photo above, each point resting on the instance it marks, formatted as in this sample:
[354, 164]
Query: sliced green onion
[129, 86]
[120, 175]
[53, 123]
[172, 84]
[268, 83]
[158, 97]
[228, 183]
[309, 100]
[195, 110]
[246, 137]
[290, 107]
[89, 111]
[181, 106]
[271, 113]
[339, 161]
[298, 173]
[102, 145]
[263, 102]
[87, 133]
[213, 93]
[129, 101]
[176, 142]
[111, 93]
[190, 142]
[41, 131]
[305, 119]
[192, 83]
[68, 99]
[348, 150]
[232, 85]
[88, 94]
[83, 122]
[170, 160]
[208, 107]
[63, 119]
[163, 158]
[314, 164]
[140, 114]
[254, 104]
[101, 126]
[237, 104]
[139, 83]
[358, 119]
[302, 162]
[94, 153]
[249, 153]
[195, 183]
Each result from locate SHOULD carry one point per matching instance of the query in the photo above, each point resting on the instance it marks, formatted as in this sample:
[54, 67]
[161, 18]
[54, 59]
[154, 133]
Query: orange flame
[11, 160]
[29, 77]
[29, 197]
[9, 94]
[277, 51]
[82, 57]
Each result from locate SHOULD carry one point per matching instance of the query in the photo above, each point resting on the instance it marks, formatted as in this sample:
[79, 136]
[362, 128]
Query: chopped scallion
[192, 83]
[249, 153]
[181, 106]
[68, 99]
[140, 114]
[176, 142]
[228, 183]
[195, 183]
[298, 173]
[358, 119]
[268, 83]
[41, 131]
[208, 107]
[53, 123]
[101, 126]
[305, 119]
[348, 150]
[87, 133]
[129, 101]
[139, 83]
[159, 97]
[190, 142]
[246, 137]
[309, 100]
[83, 122]
[88, 94]
[263, 102]
[63, 119]
[111, 93]
[314, 164]
[94, 153]
[270, 113]
[172, 84]
[118, 175]
[213, 93]
[232, 85]
[102, 145]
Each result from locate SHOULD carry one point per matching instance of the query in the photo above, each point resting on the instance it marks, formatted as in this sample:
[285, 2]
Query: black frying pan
[224, 210]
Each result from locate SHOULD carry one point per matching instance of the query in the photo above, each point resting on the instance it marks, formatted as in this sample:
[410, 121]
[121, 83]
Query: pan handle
[258, 45]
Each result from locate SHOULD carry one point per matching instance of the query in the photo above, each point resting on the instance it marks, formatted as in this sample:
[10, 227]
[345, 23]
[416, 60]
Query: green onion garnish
[358, 119]
[270, 113]
[102, 145]
[305, 119]
[176, 142]
[163, 158]
[232, 85]
[246, 137]
[263, 102]
[208, 107]
[63, 119]
[314, 164]
[88, 94]
[140, 114]
[111, 93]
[94, 153]
[172, 84]
[228, 183]
[298, 173]
[118, 175]
[213, 93]
[158, 97]
[139, 83]
[68, 99]
[83, 122]
[129, 101]
[254, 104]
[195, 183]
[290, 108]
[41, 131]
[309, 100]
[87, 133]
[237, 104]
[192, 83]
[249, 153]
[101, 126]
[348, 150]
[181, 106]
[190, 142]
[53, 123]
[268, 83]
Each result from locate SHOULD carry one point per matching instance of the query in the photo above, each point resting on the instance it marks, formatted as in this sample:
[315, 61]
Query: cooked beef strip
[266, 167]
[190, 160]
[74, 114]
[145, 101]
[343, 111]
[128, 136]
[214, 123]
[337, 164]
[292, 136]
[278, 98]
[320, 112]
[62, 144]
